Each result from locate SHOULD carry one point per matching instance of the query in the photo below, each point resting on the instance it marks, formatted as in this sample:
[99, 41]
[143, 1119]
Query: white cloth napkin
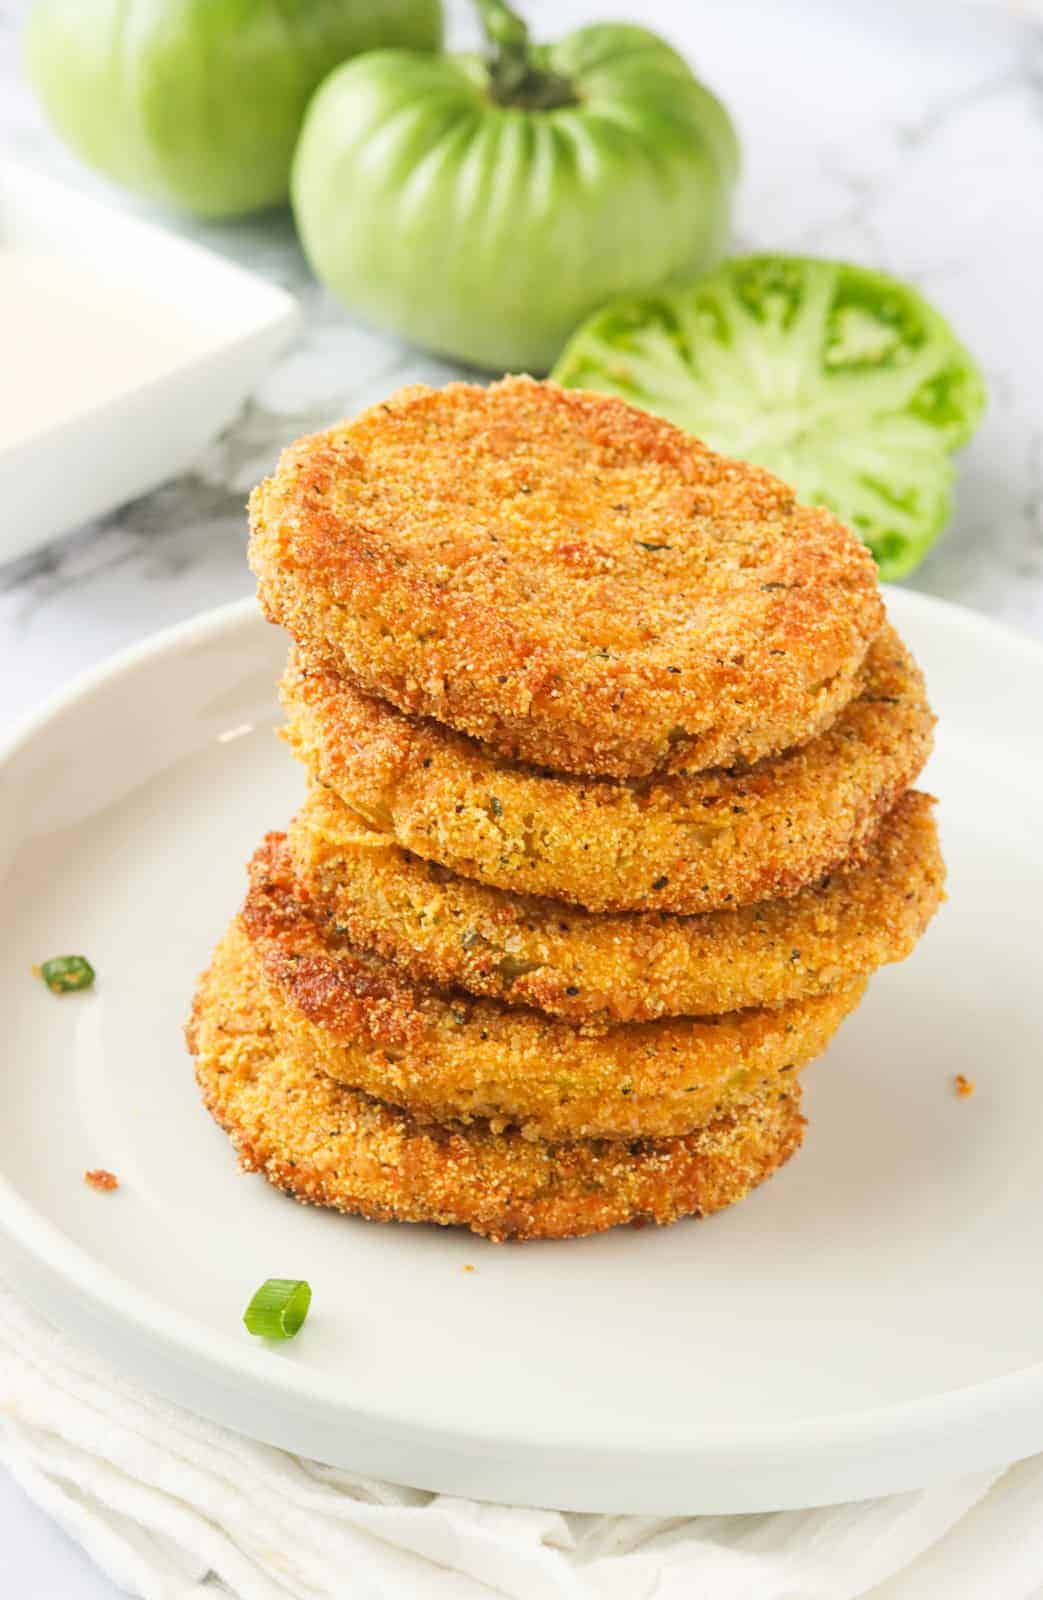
[172, 1508]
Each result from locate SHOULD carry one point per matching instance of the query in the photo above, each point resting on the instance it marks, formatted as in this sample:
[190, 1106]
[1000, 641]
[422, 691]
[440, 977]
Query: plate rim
[47, 1254]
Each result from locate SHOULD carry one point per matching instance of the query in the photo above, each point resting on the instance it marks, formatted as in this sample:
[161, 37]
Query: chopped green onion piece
[278, 1309]
[62, 974]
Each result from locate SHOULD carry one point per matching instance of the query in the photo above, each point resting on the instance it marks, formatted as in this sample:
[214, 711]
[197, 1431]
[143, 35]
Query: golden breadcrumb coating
[624, 966]
[683, 843]
[329, 1145]
[571, 581]
[449, 1057]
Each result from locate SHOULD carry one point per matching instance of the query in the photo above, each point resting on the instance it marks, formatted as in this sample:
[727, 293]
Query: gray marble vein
[905, 136]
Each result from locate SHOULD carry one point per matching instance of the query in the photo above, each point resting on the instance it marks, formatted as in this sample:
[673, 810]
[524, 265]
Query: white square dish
[199, 330]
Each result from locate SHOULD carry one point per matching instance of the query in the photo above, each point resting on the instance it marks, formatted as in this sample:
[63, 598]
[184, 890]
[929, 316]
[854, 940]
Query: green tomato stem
[504, 29]
[514, 78]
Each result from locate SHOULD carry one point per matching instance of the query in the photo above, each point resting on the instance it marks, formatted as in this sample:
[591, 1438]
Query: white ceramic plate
[870, 1319]
[107, 451]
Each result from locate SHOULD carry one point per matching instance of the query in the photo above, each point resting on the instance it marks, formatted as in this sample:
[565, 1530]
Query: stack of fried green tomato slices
[612, 753]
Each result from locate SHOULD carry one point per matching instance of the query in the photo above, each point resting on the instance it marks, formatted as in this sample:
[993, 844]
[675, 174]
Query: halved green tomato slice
[843, 382]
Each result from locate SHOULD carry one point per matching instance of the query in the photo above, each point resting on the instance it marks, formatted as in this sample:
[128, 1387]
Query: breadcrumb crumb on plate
[101, 1179]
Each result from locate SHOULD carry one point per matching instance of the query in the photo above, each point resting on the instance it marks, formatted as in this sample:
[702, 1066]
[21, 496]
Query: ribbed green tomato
[482, 207]
[198, 103]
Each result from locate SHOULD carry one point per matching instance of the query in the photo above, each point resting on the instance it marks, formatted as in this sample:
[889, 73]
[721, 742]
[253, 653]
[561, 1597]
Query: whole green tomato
[198, 103]
[483, 206]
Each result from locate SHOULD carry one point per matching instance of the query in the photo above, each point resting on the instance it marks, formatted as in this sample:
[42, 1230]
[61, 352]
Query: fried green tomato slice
[567, 579]
[628, 966]
[449, 1057]
[685, 843]
[329, 1145]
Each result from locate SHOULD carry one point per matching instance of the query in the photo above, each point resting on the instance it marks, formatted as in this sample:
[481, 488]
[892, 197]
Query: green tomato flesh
[843, 382]
[486, 232]
[198, 103]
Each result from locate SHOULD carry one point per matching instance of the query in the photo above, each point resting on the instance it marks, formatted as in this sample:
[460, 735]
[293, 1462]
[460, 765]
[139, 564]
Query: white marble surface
[904, 135]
